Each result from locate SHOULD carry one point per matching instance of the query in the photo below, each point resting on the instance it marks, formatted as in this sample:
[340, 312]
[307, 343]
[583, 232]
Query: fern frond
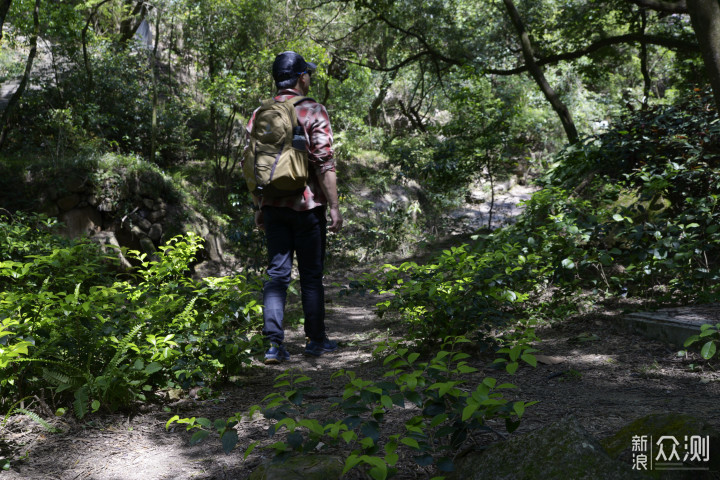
[49, 362]
[187, 312]
[12, 409]
[36, 418]
[81, 402]
[55, 378]
[122, 348]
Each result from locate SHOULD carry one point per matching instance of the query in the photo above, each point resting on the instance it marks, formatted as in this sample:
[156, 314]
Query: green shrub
[451, 411]
[97, 341]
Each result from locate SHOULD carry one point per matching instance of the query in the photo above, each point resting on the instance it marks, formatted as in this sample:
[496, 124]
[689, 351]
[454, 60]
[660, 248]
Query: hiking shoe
[317, 348]
[276, 354]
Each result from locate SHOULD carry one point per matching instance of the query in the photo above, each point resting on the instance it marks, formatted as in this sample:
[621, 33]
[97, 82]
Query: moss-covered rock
[309, 467]
[559, 451]
[619, 446]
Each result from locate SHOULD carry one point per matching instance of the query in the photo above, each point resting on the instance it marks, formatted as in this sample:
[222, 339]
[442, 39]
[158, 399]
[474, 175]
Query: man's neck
[285, 91]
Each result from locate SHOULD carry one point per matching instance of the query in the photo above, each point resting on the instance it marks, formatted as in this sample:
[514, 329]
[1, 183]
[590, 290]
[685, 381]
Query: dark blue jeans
[303, 234]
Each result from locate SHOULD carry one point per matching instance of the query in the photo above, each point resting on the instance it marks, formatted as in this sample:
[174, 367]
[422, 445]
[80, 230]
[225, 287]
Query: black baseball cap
[288, 66]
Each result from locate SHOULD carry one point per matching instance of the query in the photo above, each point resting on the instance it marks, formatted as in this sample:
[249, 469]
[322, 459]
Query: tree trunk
[538, 75]
[373, 117]
[4, 8]
[83, 36]
[10, 108]
[647, 81]
[155, 73]
[132, 22]
[705, 18]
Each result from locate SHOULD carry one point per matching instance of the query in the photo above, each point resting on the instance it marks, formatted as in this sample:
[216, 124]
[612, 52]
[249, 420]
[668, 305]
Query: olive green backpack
[276, 163]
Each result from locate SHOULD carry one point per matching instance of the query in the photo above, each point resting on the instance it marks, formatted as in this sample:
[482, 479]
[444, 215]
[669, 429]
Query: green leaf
[410, 442]
[438, 419]
[249, 450]
[519, 408]
[205, 422]
[568, 263]
[691, 340]
[466, 369]
[424, 460]
[414, 397]
[199, 436]
[153, 367]
[512, 367]
[530, 359]
[351, 462]
[468, 411]
[378, 473]
[229, 439]
[708, 350]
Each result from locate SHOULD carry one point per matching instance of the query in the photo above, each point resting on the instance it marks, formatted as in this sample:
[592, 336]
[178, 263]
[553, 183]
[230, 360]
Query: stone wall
[137, 213]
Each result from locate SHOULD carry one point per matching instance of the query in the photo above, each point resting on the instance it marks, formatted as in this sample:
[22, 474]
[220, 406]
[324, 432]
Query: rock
[308, 467]
[148, 202]
[81, 221]
[213, 248]
[147, 246]
[106, 205]
[157, 215]
[111, 246]
[475, 197]
[144, 223]
[155, 232]
[74, 184]
[559, 451]
[138, 232]
[69, 202]
[677, 425]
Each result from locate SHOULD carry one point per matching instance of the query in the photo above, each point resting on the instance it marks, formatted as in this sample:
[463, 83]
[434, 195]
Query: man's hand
[336, 219]
[259, 220]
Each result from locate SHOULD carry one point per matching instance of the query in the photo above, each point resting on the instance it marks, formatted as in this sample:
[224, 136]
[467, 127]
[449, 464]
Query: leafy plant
[450, 412]
[709, 337]
[100, 342]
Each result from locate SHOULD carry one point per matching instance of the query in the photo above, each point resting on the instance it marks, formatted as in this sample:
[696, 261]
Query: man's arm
[328, 183]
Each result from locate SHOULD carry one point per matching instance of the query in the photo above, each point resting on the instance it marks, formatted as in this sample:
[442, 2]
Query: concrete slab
[673, 325]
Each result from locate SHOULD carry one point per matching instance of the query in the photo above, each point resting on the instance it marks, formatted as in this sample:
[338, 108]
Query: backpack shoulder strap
[298, 99]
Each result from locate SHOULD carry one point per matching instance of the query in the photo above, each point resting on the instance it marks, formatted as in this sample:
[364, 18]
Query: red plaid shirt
[319, 139]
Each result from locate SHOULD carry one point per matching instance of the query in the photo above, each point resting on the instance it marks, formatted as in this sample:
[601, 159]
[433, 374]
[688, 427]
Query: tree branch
[537, 74]
[423, 41]
[671, 43]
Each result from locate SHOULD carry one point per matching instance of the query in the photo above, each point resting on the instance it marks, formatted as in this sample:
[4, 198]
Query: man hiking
[296, 224]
